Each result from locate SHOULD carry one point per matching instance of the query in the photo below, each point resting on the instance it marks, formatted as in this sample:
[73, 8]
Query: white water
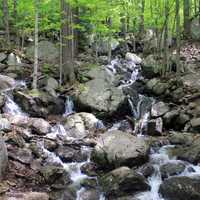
[69, 107]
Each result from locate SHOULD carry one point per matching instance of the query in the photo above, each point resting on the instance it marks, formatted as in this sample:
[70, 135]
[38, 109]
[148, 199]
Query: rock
[40, 126]
[134, 58]
[39, 103]
[22, 155]
[159, 109]
[122, 181]
[101, 96]
[55, 176]
[2, 101]
[150, 66]
[3, 56]
[80, 124]
[5, 124]
[177, 138]
[89, 169]
[171, 169]
[155, 127]
[116, 148]
[27, 196]
[170, 117]
[6, 82]
[195, 122]
[3, 157]
[195, 29]
[2, 67]
[47, 51]
[70, 154]
[180, 188]
[147, 170]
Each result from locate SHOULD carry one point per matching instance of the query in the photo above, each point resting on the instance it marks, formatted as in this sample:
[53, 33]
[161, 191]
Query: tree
[67, 42]
[6, 20]
[35, 73]
[186, 12]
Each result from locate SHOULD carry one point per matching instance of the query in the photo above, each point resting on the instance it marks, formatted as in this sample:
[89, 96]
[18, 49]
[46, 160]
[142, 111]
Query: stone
[147, 170]
[155, 127]
[181, 188]
[3, 56]
[26, 196]
[178, 138]
[122, 181]
[101, 96]
[133, 57]
[170, 117]
[3, 158]
[5, 124]
[116, 148]
[2, 101]
[89, 169]
[195, 29]
[40, 126]
[171, 169]
[195, 122]
[6, 82]
[159, 109]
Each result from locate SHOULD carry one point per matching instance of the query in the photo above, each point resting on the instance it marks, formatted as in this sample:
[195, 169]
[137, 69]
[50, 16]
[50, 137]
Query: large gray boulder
[159, 109]
[6, 82]
[118, 148]
[123, 181]
[100, 95]
[3, 157]
[48, 52]
[181, 188]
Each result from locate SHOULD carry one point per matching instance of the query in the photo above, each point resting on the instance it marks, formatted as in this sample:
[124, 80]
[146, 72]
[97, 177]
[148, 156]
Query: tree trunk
[6, 21]
[141, 28]
[35, 73]
[178, 38]
[187, 18]
[67, 39]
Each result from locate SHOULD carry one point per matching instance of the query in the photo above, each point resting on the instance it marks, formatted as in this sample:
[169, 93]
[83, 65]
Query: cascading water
[69, 106]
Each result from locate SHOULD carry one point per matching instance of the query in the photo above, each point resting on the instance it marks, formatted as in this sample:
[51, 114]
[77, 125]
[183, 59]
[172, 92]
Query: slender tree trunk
[35, 73]
[110, 40]
[166, 48]
[178, 32]
[6, 20]
[67, 39]
[141, 28]
[61, 64]
[187, 18]
[15, 9]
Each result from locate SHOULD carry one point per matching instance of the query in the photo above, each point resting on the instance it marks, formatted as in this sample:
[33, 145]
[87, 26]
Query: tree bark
[6, 20]
[141, 28]
[35, 72]
[186, 18]
[67, 39]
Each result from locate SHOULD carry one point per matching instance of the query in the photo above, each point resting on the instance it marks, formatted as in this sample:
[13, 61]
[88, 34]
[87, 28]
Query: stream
[158, 156]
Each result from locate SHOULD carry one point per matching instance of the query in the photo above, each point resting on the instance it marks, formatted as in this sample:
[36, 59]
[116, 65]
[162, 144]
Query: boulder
[40, 126]
[155, 127]
[122, 181]
[181, 188]
[133, 58]
[26, 196]
[195, 123]
[159, 109]
[171, 169]
[39, 103]
[6, 82]
[47, 52]
[3, 157]
[178, 138]
[116, 148]
[81, 124]
[5, 124]
[101, 96]
[2, 101]
[3, 56]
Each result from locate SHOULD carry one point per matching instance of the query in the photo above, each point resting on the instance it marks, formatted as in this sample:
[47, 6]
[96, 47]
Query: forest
[99, 99]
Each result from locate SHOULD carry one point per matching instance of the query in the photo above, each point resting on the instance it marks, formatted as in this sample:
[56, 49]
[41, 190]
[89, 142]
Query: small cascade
[69, 107]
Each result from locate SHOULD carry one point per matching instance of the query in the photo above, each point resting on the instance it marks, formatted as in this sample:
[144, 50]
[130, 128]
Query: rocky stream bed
[123, 137]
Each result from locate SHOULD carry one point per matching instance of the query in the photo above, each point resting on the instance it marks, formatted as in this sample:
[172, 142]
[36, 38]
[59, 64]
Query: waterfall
[69, 106]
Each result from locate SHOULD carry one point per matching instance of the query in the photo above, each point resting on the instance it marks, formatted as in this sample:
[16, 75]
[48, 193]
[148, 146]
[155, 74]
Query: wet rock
[27, 196]
[134, 58]
[147, 170]
[178, 138]
[6, 82]
[55, 176]
[21, 155]
[89, 194]
[2, 101]
[122, 181]
[15, 139]
[50, 145]
[70, 154]
[118, 148]
[89, 169]
[195, 122]
[3, 157]
[101, 96]
[3, 56]
[80, 124]
[39, 103]
[40, 126]
[170, 117]
[180, 188]
[89, 183]
[159, 109]
[171, 169]
[155, 127]
[5, 124]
